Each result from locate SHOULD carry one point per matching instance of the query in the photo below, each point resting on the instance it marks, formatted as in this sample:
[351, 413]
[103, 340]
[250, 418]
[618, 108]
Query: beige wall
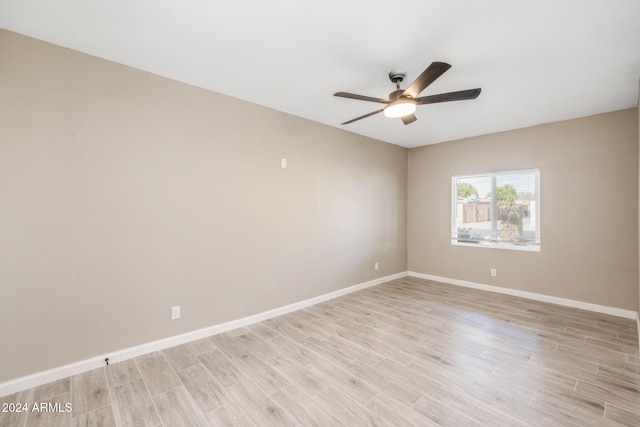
[124, 193]
[589, 201]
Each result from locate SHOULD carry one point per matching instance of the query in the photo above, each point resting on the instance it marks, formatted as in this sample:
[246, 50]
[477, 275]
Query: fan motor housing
[395, 94]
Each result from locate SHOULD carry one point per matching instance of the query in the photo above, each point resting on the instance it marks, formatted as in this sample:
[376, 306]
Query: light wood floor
[408, 352]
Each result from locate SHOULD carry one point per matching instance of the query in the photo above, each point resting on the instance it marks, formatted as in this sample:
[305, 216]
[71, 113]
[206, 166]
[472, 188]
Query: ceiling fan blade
[360, 97]
[428, 76]
[409, 119]
[363, 117]
[450, 96]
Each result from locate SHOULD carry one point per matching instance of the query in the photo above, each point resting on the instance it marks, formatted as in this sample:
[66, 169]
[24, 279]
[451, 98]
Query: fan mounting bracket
[397, 76]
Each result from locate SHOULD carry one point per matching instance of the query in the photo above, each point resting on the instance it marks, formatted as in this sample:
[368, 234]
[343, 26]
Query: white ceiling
[536, 61]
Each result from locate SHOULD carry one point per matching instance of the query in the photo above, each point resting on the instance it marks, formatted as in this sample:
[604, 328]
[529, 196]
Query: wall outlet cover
[175, 312]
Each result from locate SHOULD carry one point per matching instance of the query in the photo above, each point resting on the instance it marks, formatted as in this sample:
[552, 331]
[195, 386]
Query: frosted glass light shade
[400, 108]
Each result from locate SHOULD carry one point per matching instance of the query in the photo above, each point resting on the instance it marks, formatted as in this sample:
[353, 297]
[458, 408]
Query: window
[500, 209]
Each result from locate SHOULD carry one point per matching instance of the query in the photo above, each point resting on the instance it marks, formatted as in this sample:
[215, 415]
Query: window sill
[492, 245]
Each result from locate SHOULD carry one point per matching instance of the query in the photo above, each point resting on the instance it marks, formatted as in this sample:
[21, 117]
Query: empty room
[319, 213]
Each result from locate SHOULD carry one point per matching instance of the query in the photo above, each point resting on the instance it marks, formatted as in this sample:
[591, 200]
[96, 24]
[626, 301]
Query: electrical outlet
[283, 163]
[494, 272]
[175, 312]
[376, 265]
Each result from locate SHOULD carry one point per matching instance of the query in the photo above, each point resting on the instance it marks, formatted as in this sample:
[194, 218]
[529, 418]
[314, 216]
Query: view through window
[500, 209]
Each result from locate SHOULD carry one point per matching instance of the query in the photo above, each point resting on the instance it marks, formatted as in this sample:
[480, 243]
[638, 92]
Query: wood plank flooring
[409, 352]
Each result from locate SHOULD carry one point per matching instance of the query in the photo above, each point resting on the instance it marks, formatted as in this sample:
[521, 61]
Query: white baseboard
[629, 314]
[65, 371]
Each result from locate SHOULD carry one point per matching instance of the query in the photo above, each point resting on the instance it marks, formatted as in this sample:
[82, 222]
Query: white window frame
[494, 243]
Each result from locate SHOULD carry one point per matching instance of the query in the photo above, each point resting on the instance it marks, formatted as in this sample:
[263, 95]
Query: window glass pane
[516, 207]
[473, 209]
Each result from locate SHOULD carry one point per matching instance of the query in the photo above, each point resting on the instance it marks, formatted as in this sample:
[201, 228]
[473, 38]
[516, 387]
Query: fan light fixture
[402, 103]
[400, 108]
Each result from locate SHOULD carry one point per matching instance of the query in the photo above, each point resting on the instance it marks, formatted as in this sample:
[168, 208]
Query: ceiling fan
[402, 103]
